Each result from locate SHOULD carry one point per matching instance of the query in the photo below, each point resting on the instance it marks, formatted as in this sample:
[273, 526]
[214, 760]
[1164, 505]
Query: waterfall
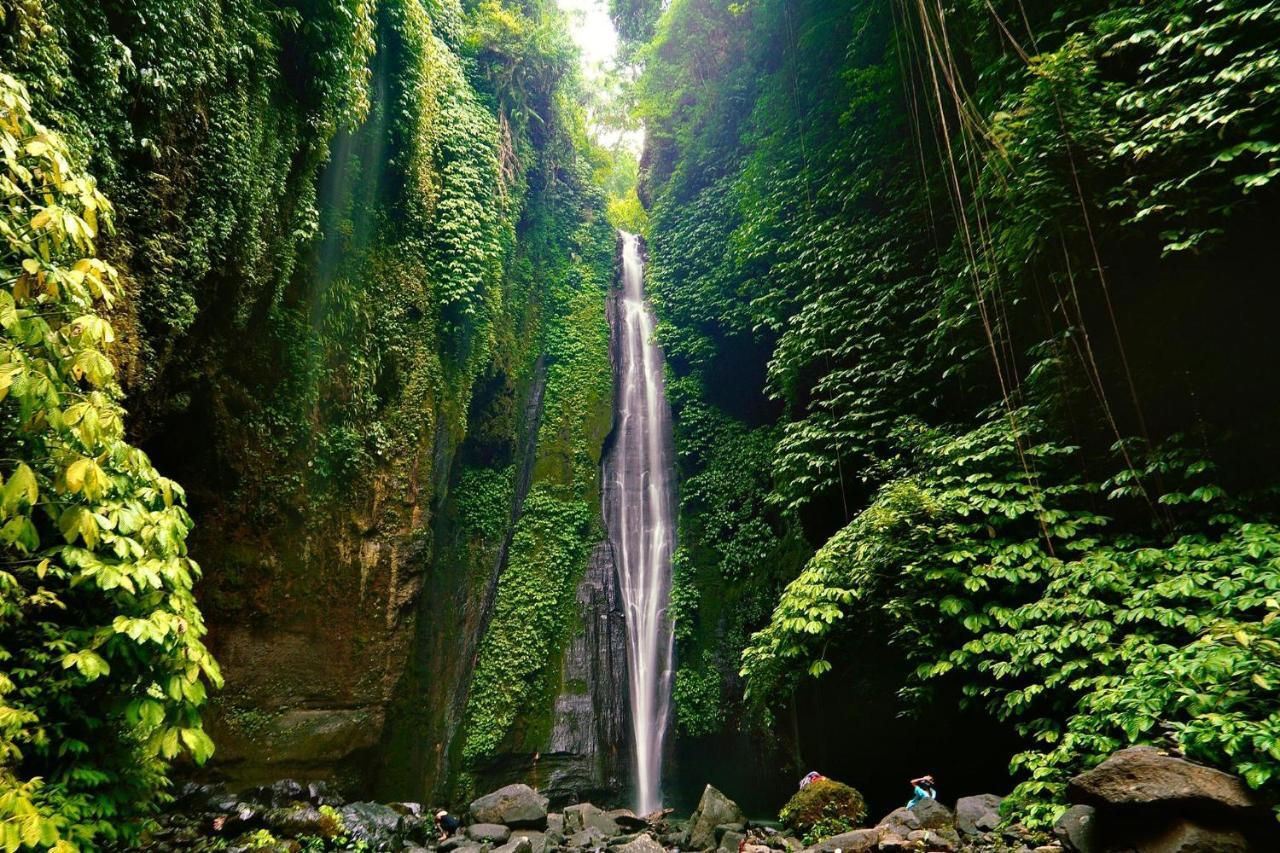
[639, 510]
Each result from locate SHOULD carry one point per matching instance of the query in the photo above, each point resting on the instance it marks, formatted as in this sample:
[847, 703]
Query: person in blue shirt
[922, 789]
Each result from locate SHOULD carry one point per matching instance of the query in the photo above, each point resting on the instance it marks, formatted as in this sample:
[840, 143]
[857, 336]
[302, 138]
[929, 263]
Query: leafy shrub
[104, 671]
[823, 808]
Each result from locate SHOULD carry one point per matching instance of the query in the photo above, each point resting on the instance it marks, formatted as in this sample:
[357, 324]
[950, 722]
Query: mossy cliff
[358, 240]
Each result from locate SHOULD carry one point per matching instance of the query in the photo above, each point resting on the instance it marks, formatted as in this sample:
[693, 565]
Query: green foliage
[958, 244]
[104, 669]
[823, 808]
[548, 550]
[696, 693]
[1087, 637]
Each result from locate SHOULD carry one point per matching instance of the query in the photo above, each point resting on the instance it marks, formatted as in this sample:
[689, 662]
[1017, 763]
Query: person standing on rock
[922, 789]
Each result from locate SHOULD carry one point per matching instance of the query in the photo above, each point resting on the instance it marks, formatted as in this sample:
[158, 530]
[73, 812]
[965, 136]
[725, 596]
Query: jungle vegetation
[967, 308]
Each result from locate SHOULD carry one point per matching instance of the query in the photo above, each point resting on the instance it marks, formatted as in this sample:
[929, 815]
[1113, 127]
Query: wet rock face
[583, 758]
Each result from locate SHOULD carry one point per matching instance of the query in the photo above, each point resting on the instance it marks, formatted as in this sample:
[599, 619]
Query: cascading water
[639, 509]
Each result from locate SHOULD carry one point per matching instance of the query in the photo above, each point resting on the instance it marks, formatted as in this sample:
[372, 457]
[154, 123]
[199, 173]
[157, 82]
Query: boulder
[586, 839]
[932, 814]
[978, 814]
[725, 828]
[822, 800]
[1143, 775]
[714, 809]
[643, 843]
[730, 841]
[900, 822]
[586, 816]
[858, 841]
[538, 841]
[1077, 829]
[282, 792]
[320, 794]
[518, 844]
[629, 821]
[373, 823]
[933, 840]
[1185, 836]
[555, 824]
[488, 833]
[301, 819]
[414, 809]
[456, 842]
[514, 806]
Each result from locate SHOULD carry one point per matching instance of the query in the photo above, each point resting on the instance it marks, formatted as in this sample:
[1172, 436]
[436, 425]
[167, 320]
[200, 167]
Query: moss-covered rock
[824, 807]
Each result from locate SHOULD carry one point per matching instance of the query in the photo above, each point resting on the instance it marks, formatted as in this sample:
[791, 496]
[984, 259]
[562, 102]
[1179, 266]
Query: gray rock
[414, 809]
[518, 844]
[1186, 836]
[555, 823]
[586, 816]
[629, 821]
[934, 840]
[858, 841]
[320, 794]
[455, 842]
[642, 843]
[488, 833]
[1077, 829]
[714, 809]
[978, 814]
[538, 841]
[586, 839]
[730, 841]
[725, 828]
[513, 806]
[373, 823]
[300, 819]
[932, 814]
[900, 822]
[1142, 775]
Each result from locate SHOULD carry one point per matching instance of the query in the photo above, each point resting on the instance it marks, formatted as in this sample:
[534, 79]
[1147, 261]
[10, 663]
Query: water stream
[640, 513]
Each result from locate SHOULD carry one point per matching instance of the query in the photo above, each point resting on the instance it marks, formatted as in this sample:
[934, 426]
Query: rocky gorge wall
[365, 329]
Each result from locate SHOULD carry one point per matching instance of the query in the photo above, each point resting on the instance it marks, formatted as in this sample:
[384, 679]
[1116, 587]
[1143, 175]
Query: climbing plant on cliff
[102, 668]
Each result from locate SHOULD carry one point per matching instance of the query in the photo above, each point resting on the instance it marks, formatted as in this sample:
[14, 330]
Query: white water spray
[640, 514]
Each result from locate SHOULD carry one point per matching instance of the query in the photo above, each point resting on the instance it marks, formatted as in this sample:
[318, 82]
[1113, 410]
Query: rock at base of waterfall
[488, 833]
[1077, 829]
[643, 843]
[1143, 775]
[586, 816]
[978, 814]
[730, 841]
[857, 841]
[516, 806]
[518, 844]
[714, 809]
[586, 839]
[370, 822]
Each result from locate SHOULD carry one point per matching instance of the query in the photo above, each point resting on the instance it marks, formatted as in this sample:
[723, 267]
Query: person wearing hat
[922, 789]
